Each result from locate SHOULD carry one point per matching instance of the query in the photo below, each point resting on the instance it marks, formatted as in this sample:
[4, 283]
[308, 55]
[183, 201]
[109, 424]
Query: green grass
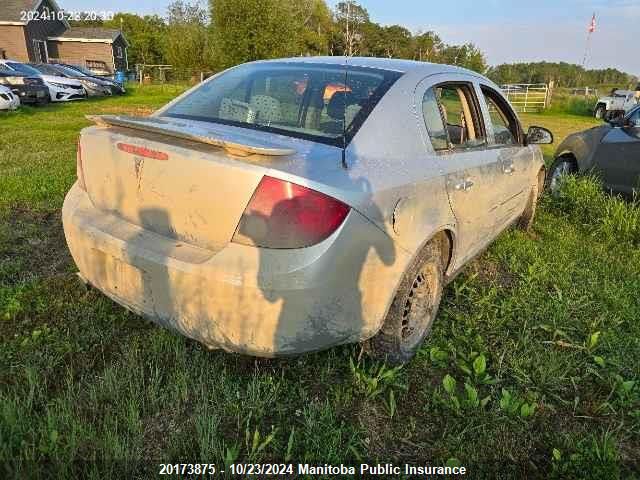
[531, 370]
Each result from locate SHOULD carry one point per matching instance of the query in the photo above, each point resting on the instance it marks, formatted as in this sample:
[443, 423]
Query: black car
[93, 86]
[610, 151]
[116, 88]
[28, 89]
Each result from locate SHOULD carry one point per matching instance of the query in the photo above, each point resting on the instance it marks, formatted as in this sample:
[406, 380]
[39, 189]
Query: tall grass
[572, 105]
[610, 218]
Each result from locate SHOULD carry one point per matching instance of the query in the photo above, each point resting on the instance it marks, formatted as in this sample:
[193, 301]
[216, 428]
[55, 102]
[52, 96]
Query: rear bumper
[257, 301]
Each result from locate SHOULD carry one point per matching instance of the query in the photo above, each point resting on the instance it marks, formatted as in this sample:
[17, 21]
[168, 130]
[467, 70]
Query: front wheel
[413, 309]
[600, 112]
[561, 166]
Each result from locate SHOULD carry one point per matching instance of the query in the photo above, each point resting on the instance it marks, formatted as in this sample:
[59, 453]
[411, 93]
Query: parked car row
[41, 83]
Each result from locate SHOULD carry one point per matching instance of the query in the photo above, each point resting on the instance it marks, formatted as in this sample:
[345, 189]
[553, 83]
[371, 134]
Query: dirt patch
[158, 430]
[491, 272]
[136, 111]
[32, 245]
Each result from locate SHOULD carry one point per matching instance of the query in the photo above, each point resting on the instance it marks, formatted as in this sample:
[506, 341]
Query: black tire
[525, 222]
[600, 111]
[563, 165]
[413, 309]
[44, 100]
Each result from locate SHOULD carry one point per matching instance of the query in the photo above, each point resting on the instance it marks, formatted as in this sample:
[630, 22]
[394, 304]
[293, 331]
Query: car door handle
[508, 169]
[464, 185]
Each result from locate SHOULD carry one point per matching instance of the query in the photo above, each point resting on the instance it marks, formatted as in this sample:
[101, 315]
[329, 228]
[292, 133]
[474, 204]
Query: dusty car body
[610, 151]
[286, 221]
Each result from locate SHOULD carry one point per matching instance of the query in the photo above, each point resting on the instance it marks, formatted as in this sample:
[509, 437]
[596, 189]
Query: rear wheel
[561, 166]
[600, 112]
[413, 309]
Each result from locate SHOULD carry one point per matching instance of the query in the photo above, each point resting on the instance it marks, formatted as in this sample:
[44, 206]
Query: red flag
[592, 25]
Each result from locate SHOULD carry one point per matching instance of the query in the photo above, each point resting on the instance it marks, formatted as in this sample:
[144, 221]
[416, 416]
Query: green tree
[467, 56]
[314, 27]
[351, 20]
[187, 45]
[144, 34]
[426, 46]
[252, 30]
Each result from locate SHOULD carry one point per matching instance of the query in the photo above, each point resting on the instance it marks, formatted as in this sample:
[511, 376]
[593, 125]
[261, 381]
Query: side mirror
[539, 136]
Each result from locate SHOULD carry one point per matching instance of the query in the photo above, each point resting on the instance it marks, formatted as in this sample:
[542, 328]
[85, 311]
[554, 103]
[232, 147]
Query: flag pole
[592, 28]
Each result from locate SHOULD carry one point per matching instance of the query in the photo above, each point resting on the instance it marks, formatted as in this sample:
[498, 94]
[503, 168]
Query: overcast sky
[506, 30]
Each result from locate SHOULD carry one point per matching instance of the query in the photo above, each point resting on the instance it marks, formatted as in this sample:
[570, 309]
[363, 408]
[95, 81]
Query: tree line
[222, 33]
[561, 73]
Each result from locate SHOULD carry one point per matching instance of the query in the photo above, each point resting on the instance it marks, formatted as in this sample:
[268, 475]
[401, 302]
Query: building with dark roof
[38, 31]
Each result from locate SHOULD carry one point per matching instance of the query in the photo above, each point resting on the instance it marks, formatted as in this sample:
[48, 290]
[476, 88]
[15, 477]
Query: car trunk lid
[173, 180]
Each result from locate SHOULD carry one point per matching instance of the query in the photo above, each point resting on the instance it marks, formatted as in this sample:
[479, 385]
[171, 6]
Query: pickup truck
[617, 103]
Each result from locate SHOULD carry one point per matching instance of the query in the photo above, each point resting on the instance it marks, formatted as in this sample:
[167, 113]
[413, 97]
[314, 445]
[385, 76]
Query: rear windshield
[324, 103]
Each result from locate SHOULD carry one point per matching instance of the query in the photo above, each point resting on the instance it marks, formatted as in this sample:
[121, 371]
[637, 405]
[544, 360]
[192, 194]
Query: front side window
[503, 121]
[451, 117]
[324, 103]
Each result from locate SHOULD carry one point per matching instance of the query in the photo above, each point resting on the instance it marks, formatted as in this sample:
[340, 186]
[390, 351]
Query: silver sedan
[292, 205]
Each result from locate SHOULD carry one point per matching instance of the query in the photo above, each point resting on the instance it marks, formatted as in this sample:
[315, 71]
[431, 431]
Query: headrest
[338, 104]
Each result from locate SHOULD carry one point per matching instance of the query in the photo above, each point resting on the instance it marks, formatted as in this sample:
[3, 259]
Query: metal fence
[527, 97]
[161, 74]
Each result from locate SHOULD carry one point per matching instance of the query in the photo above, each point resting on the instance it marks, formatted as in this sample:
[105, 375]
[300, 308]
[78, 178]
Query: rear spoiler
[154, 125]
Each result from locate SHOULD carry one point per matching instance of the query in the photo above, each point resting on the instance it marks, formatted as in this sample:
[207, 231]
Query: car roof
[393, 64]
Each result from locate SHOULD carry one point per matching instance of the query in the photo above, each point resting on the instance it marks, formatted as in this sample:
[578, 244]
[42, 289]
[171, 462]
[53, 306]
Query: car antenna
[344, 116]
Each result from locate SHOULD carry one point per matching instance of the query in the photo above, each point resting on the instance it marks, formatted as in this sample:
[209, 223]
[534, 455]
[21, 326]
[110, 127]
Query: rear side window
[503, 120]
[452, 118]
[323, 103]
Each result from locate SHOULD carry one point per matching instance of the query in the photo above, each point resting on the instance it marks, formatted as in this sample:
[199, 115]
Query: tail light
[282, 214]
[79, 167]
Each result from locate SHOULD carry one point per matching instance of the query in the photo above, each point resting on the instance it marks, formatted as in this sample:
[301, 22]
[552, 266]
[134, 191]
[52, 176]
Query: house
[38, 31]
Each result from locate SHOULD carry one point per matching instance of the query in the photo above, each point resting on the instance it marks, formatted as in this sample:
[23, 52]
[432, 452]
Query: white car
[8, 100]
[60, 89]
